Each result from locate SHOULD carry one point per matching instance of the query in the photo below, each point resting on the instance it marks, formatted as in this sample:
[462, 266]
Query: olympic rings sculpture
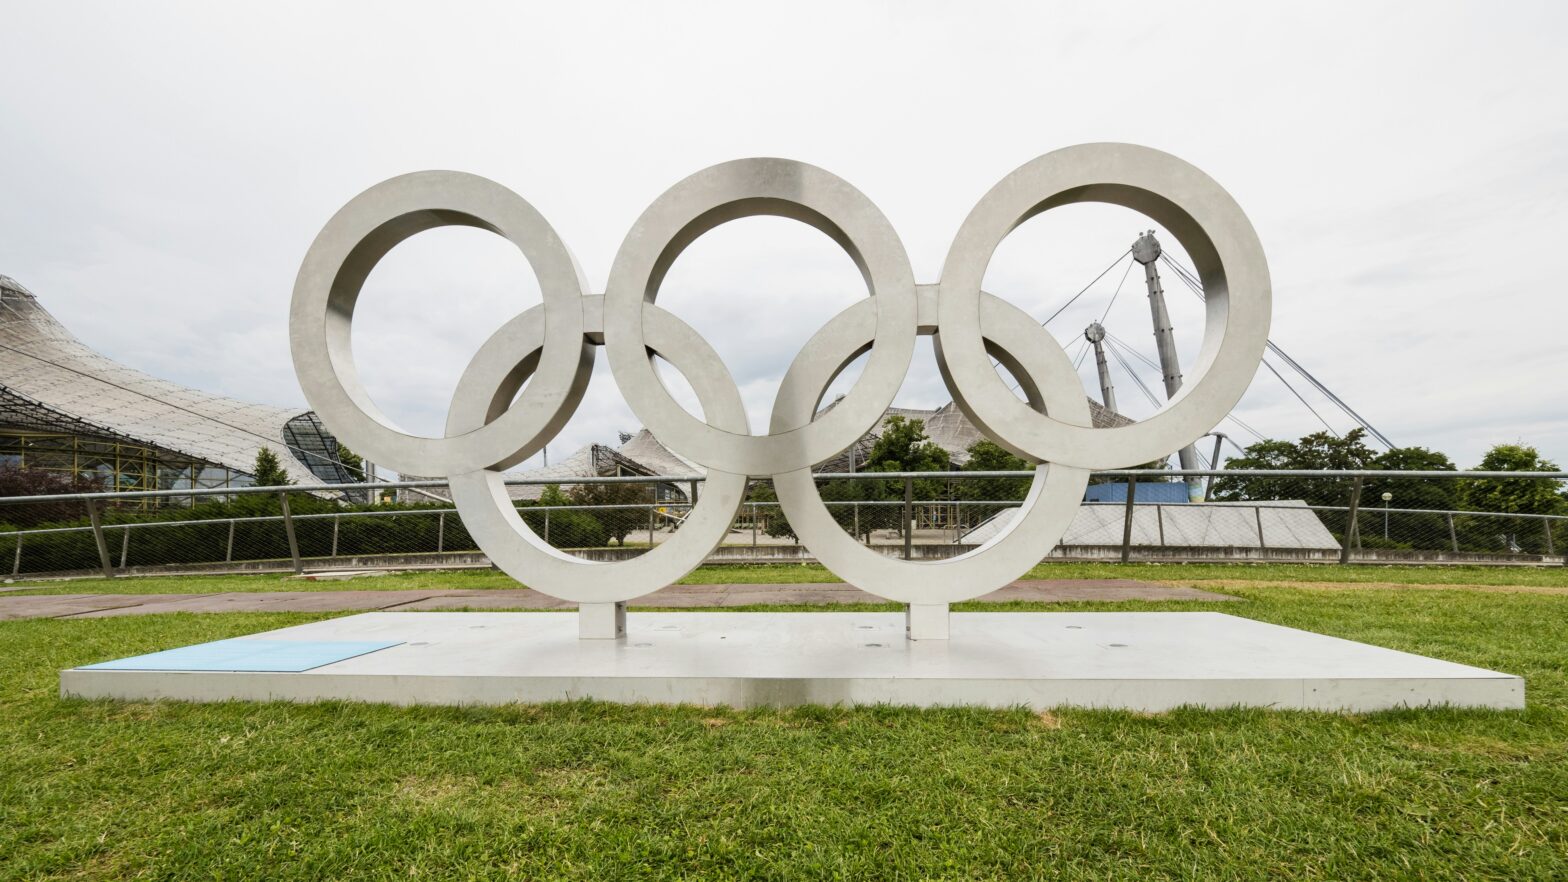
[552, 348]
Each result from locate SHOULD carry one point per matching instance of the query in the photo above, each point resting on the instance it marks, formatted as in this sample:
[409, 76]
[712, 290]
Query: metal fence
[912, 515]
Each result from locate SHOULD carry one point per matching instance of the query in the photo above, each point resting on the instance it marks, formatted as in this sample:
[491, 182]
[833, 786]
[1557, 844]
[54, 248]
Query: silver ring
[747, 188]
[322, 314]
[1045, 375]
[1210, 226]
[500, 367]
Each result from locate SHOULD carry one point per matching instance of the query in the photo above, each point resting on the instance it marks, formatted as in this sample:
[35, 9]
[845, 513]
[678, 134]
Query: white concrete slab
[1147, 661]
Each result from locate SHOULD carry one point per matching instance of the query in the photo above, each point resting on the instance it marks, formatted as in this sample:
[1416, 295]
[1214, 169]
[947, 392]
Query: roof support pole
[1095, 334]
[1146, 251]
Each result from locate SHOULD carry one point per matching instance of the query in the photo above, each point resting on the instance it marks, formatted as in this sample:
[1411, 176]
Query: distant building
[67, 408]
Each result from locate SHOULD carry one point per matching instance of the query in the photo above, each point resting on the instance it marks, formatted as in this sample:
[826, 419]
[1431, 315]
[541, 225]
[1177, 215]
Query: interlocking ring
[551, 348]
[500, 367]
[1203, 218]
[1047, 378]
[747, 188]
[322, 315]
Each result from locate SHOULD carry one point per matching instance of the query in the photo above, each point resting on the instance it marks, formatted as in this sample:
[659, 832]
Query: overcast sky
[163, 168]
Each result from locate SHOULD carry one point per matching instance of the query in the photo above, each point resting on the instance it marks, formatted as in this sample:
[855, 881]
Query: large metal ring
[1046, 377]
[747, 188]
[1203, 218]
[500, 367]
[334, 271]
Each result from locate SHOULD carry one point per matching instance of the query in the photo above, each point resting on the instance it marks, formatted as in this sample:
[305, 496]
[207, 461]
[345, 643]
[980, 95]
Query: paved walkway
[91, 606]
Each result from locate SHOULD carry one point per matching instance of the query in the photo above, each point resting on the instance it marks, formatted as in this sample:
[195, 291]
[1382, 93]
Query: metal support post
[1453, 535]
[601, 621]
[692, 497]
[1132, 493]
[855, 508]
[651, 510]
[228, 554]
[1257, 511]
[125, 545]
[926, 621]
[441, 532]
[754, 529]
[288, 528]
[1159, 520]
[1352, 533]
[909, 518]
[1547, 524]
[335, 519]
[16, 563]
[96, 520]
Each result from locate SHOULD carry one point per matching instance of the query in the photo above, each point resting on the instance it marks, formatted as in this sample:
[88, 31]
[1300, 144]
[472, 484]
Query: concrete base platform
[1152, 661]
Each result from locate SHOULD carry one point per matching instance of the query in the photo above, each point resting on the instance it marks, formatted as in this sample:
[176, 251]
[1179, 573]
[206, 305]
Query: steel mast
[1146, 251]
[1095, 334]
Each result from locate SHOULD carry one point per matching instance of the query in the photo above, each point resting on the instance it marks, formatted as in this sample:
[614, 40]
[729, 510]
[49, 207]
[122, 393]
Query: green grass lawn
[478, 579]
[105, 790]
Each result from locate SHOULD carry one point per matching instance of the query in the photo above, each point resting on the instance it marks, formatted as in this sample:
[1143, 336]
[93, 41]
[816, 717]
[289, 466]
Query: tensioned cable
[1118, 292]
[1195, 284]
[1134, 351]
[1146, 360]
[1251, 431]
[1117, 354]
[1119, 259]
[1073, 298]
[1083, 352]
[1281, 378]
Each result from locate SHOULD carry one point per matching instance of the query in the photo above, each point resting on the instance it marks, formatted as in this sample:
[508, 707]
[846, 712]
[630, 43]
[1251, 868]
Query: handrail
[1268, 504]
[687, 479]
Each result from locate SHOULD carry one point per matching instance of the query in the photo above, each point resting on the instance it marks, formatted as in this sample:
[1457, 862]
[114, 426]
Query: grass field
[102, 790]
[479, 579]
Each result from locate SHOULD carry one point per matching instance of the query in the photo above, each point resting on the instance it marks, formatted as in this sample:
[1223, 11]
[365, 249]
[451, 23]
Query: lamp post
[1387, 497]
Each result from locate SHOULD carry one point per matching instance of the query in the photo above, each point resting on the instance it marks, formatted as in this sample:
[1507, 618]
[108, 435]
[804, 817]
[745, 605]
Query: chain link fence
[1128, 515]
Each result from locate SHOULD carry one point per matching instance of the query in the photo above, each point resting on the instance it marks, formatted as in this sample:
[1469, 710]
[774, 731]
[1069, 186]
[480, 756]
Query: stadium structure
[69, 409]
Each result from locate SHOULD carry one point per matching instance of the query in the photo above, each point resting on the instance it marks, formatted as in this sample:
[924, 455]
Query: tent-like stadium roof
[51, 381]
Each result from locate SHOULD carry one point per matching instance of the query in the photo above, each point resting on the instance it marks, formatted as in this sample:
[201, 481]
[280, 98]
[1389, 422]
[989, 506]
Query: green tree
[988, 456]
[564, 527]
[1513, 495]
[353, 462]
[904, 447]
[1317, 451]
[1433, 493]
[775, 523]
[268, 471]
[617, 522]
